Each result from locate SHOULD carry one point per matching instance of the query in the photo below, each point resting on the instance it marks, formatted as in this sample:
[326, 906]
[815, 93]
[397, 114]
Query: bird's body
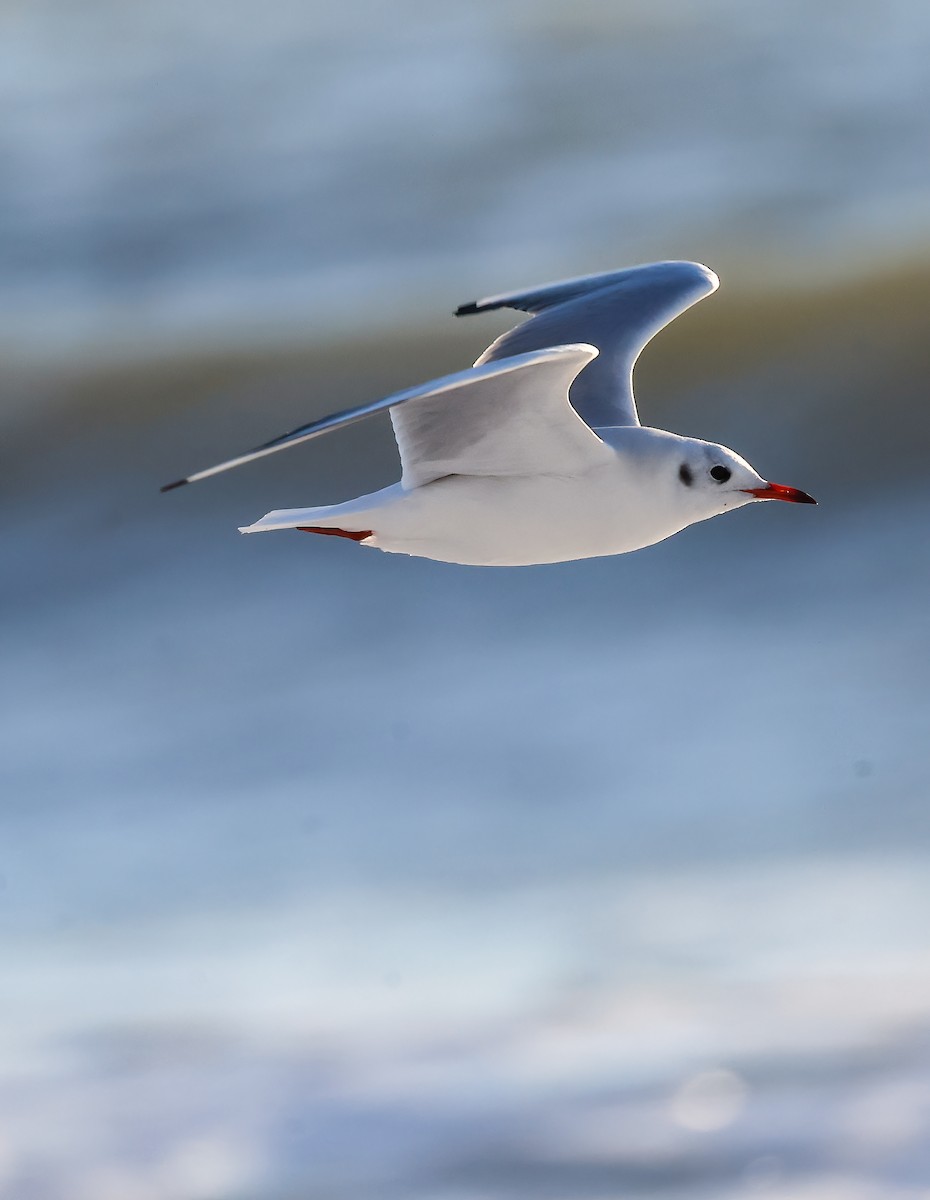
[497, 521]
[536, 454]
[516, 520]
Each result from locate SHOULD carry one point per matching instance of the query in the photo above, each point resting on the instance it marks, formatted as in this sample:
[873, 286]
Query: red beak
[778, 491]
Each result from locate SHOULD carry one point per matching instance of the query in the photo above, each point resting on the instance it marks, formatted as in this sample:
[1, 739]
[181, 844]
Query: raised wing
[618, 312]
[507, 417]
[519, 423]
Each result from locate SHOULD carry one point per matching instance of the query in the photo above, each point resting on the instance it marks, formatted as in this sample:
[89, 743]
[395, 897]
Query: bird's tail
[354, 517]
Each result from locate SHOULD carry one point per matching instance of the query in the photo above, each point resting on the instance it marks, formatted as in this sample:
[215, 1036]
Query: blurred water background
[333, 875]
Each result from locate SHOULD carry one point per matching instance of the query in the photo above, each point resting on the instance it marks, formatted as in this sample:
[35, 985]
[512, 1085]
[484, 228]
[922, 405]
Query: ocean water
[183, 171]
[334, 875]
[331, 873]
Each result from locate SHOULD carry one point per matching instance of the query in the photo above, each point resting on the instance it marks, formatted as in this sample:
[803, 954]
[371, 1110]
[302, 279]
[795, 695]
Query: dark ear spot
[684, 474]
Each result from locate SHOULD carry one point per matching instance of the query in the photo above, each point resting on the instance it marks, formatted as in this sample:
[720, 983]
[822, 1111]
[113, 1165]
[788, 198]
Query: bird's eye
[684, 474]
[721, 474]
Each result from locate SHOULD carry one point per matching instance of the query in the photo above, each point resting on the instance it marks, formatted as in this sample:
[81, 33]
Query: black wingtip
[466, 310]
[171, 486]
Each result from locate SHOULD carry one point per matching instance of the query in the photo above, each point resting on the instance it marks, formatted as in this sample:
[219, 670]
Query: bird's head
[712, 479]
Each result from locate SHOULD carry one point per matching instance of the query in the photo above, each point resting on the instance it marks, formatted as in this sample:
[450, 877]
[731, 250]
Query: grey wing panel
[534, 300]
[618, 312]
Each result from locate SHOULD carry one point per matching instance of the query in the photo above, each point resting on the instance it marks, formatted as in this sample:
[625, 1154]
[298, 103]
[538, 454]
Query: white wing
[508, 417]
[519, 423]
[618, 312]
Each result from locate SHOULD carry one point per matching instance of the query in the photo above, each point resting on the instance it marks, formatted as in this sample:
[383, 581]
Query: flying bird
[536, 453]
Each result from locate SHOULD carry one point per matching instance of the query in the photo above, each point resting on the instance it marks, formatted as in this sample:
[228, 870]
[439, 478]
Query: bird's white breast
[519, 520]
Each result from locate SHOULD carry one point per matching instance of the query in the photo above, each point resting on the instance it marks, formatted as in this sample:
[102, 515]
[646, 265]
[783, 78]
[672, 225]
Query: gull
[536, 454]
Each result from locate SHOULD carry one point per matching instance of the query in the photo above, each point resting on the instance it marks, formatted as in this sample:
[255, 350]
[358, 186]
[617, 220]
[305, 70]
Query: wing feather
[518, 424]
